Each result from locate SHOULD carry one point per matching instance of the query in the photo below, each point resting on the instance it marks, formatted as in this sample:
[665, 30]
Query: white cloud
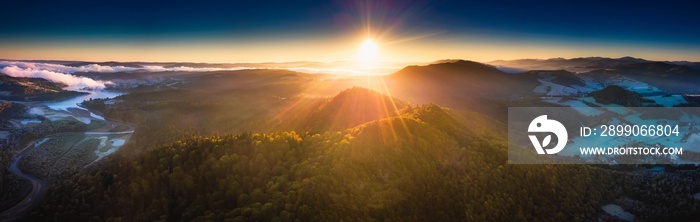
[66, 69]
[190, 69]
[62, 73]
[108, 69]
[73, 82]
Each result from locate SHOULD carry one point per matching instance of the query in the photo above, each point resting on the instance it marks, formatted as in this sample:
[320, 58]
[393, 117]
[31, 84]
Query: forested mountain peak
[451, 67]
[354, 106]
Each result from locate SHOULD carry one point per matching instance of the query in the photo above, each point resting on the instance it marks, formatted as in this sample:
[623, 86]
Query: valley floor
[57, 156]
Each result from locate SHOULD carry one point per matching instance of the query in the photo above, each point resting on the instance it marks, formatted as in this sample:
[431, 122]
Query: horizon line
[342, 61]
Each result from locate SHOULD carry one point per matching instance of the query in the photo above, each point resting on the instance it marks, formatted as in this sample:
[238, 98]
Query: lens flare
[368, 51]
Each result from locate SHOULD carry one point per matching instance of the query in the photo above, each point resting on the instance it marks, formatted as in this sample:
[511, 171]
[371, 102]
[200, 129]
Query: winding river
[39, 186]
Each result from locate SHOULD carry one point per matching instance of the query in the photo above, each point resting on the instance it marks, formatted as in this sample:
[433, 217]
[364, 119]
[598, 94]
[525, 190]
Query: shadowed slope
[352, 107]
[463, 85]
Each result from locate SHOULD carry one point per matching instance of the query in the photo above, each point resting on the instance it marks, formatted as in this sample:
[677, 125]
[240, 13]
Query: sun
[368, 51]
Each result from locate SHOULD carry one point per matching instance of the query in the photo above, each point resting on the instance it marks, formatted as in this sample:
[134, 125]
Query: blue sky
[222, 31]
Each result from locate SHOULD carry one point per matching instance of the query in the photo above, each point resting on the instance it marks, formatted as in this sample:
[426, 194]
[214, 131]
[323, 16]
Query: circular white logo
[543, 125]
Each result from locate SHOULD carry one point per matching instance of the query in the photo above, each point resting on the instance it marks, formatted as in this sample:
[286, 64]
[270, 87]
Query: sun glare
[368, 51]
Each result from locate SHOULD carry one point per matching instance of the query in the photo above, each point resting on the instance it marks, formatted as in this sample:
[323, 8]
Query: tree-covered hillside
[32, 89]
[315, 160]
[618, 95]
[426, 163]
[350, 108]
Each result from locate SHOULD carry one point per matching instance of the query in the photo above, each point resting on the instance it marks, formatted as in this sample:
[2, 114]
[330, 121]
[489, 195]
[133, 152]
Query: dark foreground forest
[399, 162]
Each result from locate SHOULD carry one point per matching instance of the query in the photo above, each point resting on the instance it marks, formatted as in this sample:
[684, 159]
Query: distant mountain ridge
[667, 77]
[461, 76]
[582, 64]
[578, 64]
